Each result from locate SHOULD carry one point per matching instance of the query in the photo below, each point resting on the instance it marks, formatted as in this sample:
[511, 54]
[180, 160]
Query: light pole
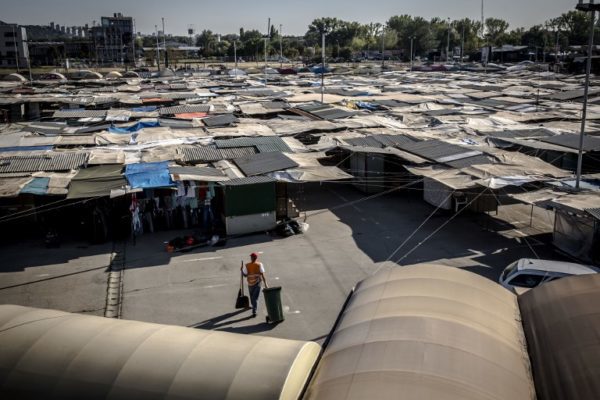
[590, 7]
[412, 38]
[448, 42]
[322, 66]
[281, 45]
[382, 47]
[16, 48]
[462, 44]
[157, 49]
[235, 58]
[165, 43]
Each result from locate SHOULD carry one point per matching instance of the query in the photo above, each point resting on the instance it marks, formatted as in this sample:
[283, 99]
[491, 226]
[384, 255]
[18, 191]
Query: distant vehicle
[528, 273]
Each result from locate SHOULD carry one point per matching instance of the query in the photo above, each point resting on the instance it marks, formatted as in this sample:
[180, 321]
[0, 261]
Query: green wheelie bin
[273, 303]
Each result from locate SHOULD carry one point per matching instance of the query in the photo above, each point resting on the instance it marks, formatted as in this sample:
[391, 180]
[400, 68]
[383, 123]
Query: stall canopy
[96, 181]
[561, 320]
[149, 175]
[53, 354]
[426, 332]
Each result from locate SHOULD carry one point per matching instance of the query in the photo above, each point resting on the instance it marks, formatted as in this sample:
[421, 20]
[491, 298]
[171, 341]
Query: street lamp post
[157, 49]
[590, 7]
[448, 42]
[382, 47]
[412, 38]
[281, 45]
[322, 66]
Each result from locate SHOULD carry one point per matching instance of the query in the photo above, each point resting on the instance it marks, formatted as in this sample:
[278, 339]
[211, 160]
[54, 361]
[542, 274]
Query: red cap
[253, 255]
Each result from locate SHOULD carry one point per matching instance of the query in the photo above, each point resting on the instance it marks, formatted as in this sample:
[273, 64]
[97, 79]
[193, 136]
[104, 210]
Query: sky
[229, 15]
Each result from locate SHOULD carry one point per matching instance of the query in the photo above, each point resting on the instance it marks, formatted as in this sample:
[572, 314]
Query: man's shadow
[220, 323]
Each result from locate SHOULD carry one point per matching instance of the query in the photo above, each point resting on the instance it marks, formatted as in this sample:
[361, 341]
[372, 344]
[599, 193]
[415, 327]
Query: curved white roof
[45, 353]
[426, 332]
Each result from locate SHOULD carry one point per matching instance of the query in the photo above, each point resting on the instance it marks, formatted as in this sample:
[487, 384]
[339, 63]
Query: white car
[528, 273]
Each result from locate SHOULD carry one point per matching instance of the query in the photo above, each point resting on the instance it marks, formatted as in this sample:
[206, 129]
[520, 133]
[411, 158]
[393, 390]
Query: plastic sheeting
[37, 186]
[149, 175]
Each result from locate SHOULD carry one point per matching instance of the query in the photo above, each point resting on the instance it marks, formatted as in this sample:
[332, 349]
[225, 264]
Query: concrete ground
[347, 240]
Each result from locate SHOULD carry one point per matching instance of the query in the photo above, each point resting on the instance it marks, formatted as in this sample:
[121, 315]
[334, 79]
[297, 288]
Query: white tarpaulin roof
[53, 354]
[426, 332]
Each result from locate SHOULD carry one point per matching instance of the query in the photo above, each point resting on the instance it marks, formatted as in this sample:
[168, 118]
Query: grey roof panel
[207, 171]
[208, 154]
[220, 120]
[590, 143]
[469, 161]
[79, 113]
[368, 141]
[263, 143]
[521, 133]
[252, 180]
[263, 163]
[594, 212]
[437, 150]
[43, 162]
[187, 108]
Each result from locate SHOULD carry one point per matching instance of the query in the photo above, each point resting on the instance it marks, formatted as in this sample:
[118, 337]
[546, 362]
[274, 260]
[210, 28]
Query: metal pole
[412, 38]
[157, 50]
[322, 66]
[266, 38]
[133, 43]
[448, 42]
[281, 45]
[462, 44]
[165, 43]
[585, 98]
[382, 47]
[16, 49]
[235, 57]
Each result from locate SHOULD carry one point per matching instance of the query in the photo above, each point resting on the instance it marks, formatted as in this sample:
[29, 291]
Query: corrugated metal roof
[252, 180]
[79, 113]
[594, 212]
[220, 120]
[368, 141]
[264, 144]
[187, 108]
[44, 162]
[208, 154]
[590, 143]
[262, 163]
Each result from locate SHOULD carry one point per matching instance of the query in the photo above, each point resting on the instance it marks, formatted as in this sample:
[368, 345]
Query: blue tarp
[367, 106]
[144, 109]
[149, 175]
[37, 186]
[26, 148]
[133, 128]
[320, 70]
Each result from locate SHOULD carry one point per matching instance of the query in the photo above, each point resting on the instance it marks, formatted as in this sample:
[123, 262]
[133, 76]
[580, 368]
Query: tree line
[346, 39]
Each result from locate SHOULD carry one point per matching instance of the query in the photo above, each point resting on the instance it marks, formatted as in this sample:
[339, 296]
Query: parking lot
[348, 239]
